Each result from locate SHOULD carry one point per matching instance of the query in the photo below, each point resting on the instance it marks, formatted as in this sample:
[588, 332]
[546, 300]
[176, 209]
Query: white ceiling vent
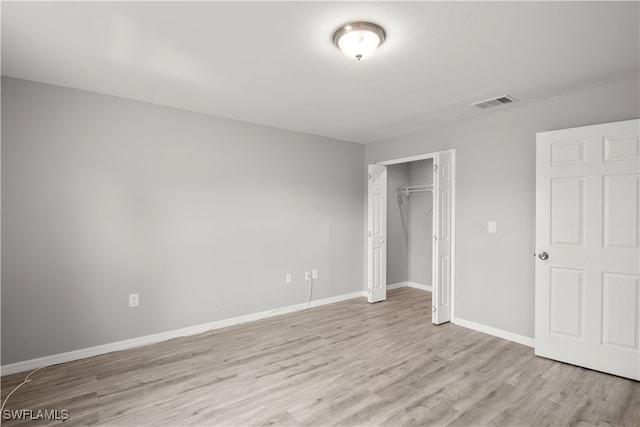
[494, 102]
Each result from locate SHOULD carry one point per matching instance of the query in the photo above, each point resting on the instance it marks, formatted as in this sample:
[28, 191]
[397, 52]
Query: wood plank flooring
[345, 364]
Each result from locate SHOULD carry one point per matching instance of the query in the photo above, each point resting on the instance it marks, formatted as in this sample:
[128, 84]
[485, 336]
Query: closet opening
[410, 224]
[411, 229]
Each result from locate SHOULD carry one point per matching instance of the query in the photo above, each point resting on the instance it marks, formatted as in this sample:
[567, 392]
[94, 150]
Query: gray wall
[495, 180]
[420, 253]
[397, 225]
[203, 216]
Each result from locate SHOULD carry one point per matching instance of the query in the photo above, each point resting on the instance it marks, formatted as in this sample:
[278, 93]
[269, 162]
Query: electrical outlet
[492, 227]
[314, 273]
[307, 275]
[134, 300]
[289, 278]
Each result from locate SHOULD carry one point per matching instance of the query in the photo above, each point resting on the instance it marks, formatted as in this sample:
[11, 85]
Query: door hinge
[370, 177]
[435, 238]
[435, 168]
[369, 291]
[434, 309]
[369, 233]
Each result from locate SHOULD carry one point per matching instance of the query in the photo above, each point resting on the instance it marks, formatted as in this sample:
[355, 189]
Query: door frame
[452, 218]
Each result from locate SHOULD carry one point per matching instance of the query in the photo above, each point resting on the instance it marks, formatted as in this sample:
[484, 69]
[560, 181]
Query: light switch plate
[492, 227]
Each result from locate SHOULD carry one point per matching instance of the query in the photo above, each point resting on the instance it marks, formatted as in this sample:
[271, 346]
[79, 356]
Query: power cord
[310, 292]
[310, 279]
[26, 380]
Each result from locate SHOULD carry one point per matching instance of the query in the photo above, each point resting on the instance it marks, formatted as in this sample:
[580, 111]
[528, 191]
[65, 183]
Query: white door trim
[453, 211]
[409, 159]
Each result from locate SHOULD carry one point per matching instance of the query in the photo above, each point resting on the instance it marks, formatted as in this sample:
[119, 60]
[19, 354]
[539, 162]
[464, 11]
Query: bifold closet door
[377, 233]
[442, 239]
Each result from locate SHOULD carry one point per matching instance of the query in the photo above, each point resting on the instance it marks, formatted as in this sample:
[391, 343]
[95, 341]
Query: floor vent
[494, 102]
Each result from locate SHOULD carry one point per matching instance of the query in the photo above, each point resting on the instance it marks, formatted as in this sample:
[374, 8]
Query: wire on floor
[302, 309]
[26, 380]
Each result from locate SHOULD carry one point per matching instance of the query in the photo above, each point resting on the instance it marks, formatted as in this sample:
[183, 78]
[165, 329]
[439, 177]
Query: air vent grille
[494, 102]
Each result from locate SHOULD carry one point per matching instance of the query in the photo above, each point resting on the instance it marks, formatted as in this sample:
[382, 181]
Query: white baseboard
[520, 339]
[428, 288]
[70, 356]
[409, 284]
[397, 285]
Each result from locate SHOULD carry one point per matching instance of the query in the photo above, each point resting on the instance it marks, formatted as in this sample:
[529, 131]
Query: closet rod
[406, 190]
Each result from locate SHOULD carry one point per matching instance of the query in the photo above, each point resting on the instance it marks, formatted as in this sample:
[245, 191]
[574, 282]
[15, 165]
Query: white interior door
[442, 236]
[377, 234]
[587, 298]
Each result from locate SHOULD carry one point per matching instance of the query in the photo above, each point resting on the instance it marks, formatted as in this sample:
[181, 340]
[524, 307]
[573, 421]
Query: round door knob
[543, 255]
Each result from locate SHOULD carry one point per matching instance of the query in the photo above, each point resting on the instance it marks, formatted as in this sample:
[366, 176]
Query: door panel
[587, 296]
[566, 293]
[621, 148]
[620, 309]
[567, 153]
[567, 205]
[443, 295]
[621, 194]
[377, 234]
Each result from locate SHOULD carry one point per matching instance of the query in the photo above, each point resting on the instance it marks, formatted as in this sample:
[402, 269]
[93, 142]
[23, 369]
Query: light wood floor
[350, 363]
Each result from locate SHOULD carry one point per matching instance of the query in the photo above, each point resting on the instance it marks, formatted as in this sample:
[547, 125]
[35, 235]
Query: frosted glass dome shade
[359, 39]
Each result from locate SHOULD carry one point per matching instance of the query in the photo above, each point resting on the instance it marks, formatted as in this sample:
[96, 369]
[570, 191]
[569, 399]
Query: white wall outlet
[289, 278]
[314, 273]
[134, 300]
[307, 275]
[492, 228]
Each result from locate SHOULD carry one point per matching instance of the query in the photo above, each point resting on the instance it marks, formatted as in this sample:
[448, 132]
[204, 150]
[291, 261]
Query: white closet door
[442, 228]
[377, 234]
[587, 307]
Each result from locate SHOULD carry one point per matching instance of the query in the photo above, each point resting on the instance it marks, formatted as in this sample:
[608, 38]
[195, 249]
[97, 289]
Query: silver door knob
[543, 255]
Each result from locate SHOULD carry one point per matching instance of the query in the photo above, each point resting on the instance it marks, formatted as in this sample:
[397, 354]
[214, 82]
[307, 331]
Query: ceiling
[274, 63]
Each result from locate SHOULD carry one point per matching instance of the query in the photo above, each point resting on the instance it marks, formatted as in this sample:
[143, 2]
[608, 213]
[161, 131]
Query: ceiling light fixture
[358, 39]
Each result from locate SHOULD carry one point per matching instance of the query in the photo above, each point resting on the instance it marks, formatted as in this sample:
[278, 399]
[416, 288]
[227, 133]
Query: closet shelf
[406, 190]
